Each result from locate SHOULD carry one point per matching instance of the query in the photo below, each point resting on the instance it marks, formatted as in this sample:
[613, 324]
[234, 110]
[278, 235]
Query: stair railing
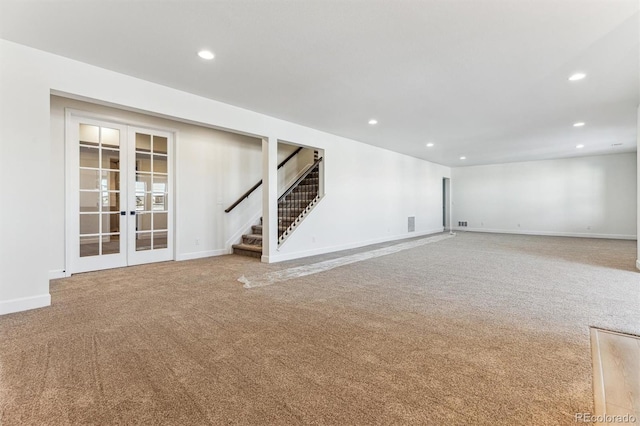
[257, 185]
[297, 199]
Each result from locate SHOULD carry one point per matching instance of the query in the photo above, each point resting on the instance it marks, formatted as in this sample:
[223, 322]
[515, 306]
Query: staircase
[297, 202]
[251, 244]
[293, 206]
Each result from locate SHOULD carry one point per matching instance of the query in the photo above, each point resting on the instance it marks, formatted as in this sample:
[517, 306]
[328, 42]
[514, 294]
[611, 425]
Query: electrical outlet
[197, 241]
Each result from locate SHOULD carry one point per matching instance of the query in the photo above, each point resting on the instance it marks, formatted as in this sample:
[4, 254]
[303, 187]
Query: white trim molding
[545, 233]
[24, 304]
[201, 254]
[56, 274]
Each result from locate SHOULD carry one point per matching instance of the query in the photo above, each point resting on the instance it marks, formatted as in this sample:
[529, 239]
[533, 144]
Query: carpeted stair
[251, 244]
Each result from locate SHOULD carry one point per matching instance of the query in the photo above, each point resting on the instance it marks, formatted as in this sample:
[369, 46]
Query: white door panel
[151, 236]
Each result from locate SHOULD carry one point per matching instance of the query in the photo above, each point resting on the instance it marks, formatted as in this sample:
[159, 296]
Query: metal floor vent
[412, 224]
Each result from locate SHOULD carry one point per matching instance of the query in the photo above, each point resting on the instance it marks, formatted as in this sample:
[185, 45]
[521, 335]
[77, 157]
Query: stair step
[247, 253]
[252, 239]
[288, 221]
[298, 206]
[289, 218]
[247, 250]
[289, 213]
[248, 247]
[293, 204]
[306, 188]
[300, 195]
[257, 229]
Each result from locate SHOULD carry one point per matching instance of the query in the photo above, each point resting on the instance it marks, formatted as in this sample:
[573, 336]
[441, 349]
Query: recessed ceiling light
[206, 54]
[463, 158]
[578, 124]
[577, 76]
[429, 145]
[580, 146]
[373, 121]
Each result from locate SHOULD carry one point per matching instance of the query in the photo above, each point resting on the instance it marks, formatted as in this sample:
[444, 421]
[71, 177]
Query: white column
[269, 198]
[25, 194]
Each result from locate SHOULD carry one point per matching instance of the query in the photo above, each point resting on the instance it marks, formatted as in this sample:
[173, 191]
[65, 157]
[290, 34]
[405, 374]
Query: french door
[119, 195]
[150, 234]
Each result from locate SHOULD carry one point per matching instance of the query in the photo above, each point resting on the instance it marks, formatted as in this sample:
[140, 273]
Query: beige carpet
[477, 329]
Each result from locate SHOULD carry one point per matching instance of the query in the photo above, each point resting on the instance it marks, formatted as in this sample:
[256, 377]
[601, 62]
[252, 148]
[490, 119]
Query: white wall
[638, 183]
[369, 191]
[586, 196]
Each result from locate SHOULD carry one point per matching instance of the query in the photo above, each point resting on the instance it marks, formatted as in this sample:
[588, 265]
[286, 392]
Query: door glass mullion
[101, 193]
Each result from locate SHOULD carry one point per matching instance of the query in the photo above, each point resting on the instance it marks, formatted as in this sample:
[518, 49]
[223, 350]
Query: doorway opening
[446, 204]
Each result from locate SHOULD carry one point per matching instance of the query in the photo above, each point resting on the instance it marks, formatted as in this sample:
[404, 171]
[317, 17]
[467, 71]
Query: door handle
[132, 212]
[123, 213]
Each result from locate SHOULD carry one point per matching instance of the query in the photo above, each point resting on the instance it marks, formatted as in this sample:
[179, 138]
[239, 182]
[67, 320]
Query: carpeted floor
[477, 329]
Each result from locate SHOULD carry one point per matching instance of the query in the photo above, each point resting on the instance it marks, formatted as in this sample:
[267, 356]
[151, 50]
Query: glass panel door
[119, 195]
[151, 235]
[96, 182]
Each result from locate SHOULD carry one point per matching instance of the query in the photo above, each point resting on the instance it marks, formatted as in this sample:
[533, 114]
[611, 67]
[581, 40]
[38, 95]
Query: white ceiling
[483, 78]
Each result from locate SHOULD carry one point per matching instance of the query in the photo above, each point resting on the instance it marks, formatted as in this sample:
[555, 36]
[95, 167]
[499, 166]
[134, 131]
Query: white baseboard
[56, 274]
[323, 250]
[546, 234]
[201, 254]
[24, 304]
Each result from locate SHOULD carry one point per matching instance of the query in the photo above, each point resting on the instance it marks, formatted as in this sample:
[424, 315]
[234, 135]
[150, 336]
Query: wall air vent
[412, 224]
